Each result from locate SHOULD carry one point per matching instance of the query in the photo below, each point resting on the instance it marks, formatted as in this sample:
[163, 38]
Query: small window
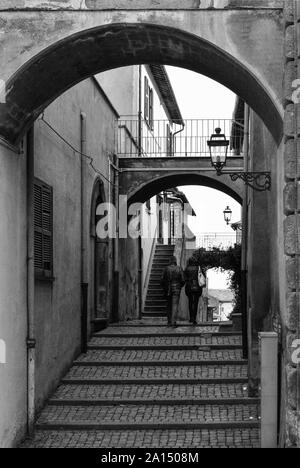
[43, 229]
[146, 99]
[148, 103]
[148, 205]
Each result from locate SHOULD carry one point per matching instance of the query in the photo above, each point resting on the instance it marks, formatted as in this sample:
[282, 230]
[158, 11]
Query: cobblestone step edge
[85, 425]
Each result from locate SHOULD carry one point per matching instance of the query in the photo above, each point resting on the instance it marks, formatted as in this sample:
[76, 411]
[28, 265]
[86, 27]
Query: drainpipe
[84, 281]
[174, 139]
[30, 284]
[140, 113]
[140, 277]
[116, 249]
[244, 271]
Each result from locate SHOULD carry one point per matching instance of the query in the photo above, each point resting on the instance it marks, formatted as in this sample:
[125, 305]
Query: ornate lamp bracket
[259, 181]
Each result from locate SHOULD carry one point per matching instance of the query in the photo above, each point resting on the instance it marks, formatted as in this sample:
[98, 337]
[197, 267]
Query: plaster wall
[13, 297]
[58, 303]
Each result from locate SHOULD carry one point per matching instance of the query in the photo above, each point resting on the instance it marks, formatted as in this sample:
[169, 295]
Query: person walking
[193, 290]
[172, 282]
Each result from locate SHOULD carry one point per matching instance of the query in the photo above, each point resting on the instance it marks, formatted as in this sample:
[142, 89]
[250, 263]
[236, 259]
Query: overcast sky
[202, 98]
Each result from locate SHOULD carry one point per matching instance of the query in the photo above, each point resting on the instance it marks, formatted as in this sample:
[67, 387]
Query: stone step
[155, 308]
[158, 374]
[137, 324]
[156, 301]
[154, 315]
[158, 358]
[203, 438]
[155, 294]
[181, 342]
[156, 393]
[148, 416]
[158, 332]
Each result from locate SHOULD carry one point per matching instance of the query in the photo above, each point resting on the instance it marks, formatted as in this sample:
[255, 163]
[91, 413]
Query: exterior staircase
[155, 304]
[142, 385]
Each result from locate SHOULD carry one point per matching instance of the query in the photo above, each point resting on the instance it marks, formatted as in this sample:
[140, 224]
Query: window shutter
[43, 231]
[151, 107]
[146, 99]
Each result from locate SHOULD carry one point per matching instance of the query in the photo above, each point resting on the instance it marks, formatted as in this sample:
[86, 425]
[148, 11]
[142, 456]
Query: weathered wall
[58, 303]
[233, 56]
[290, 289]
[139, 183]
[13, 318]
[263, 242]
[129, 279]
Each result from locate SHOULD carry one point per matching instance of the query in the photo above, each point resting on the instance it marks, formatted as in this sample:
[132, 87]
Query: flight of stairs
[144, 385]
[155, 304]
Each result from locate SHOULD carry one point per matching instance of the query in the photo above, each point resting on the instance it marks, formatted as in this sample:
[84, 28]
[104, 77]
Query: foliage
[226, 260]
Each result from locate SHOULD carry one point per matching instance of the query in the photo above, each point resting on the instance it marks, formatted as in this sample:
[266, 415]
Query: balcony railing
[209, 241]
[160, 139]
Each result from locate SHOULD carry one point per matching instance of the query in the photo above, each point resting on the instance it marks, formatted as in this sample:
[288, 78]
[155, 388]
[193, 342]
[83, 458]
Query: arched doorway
[99, 267]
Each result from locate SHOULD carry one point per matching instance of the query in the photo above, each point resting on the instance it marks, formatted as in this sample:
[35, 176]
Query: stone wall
[292, 218]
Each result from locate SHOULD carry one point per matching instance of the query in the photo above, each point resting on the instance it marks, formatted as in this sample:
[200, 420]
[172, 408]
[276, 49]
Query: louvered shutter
[146, 99]
[43, 231]
[151, 117]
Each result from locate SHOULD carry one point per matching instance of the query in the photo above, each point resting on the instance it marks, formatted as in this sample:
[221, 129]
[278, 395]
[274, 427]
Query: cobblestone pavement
[178, 393]
[229, 438]
[151, 392]
[137, 414]
[168, 341]
[159, 372]
[160, 356]
[162, 330]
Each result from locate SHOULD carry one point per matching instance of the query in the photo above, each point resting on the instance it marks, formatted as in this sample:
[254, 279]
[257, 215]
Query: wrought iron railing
[209, 241]
[161, 139]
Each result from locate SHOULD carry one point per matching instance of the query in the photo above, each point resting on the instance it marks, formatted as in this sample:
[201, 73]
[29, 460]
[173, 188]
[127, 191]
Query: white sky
[199, 97]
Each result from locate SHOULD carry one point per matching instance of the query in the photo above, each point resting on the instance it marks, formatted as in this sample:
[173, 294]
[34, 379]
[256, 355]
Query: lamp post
[227, 215]
[218, 149]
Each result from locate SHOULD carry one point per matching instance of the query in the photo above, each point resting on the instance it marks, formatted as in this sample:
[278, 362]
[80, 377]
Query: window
[169, 140]
[148, 103]
[43, 229]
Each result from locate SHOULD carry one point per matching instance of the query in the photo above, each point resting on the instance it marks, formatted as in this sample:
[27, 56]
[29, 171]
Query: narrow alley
[145, 385]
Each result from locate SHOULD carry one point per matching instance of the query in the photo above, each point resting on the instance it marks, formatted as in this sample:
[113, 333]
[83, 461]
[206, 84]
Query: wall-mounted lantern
[227, 215]
[218, 149]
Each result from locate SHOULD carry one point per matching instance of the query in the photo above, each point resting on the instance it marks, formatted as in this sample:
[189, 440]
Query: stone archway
[154, 185]
[47, 73]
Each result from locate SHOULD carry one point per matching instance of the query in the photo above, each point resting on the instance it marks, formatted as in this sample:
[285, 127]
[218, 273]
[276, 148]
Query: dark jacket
[191, 279]
[172, 280]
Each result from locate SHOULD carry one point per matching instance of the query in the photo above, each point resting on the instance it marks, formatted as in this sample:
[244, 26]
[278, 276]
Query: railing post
[269, 389]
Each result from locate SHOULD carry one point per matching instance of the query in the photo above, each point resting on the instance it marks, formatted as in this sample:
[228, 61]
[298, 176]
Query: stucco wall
[13, 320]
[58, 303]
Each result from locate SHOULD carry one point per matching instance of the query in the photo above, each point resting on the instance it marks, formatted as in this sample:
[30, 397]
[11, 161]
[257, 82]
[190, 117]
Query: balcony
[223, 241]
[139, 138]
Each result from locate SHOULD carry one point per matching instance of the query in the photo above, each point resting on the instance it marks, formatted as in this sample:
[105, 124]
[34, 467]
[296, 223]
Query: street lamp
[227, 215]
[218, 149]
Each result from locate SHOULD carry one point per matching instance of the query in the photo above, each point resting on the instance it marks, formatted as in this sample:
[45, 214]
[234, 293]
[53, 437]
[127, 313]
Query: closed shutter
[43, 230]
[151, 117]
[146, 99]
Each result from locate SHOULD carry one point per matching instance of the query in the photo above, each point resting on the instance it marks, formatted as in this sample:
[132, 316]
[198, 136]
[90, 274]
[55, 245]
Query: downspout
[140, 113]
[31, 343]
[116, 244]
[174, 135]
[84, 281]
[244, 271]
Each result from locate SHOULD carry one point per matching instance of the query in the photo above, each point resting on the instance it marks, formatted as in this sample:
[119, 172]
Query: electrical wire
[90, 158]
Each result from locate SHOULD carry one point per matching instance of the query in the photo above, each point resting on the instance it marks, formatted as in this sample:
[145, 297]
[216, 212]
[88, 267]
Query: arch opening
[151, 188]
[59, 67]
